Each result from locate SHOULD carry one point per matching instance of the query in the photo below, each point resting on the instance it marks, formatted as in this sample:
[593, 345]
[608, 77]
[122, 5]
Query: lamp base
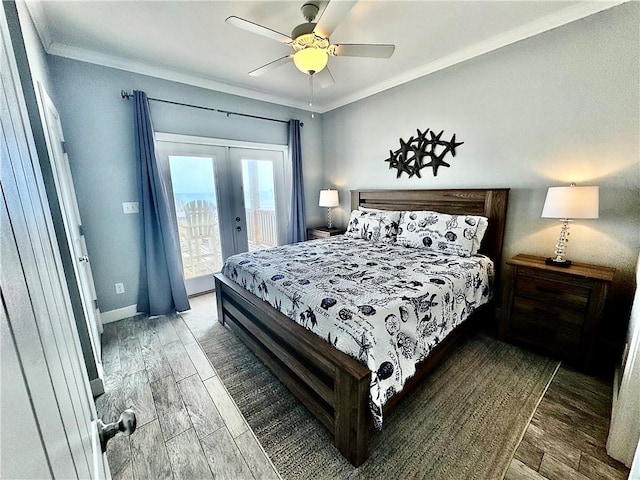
[554, 263]
[329, 219]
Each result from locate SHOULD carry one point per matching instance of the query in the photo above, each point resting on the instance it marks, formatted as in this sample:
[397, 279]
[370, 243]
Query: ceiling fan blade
[270, 66]
[370, 50]
[324, 78]
[331, 16]
[258, 29]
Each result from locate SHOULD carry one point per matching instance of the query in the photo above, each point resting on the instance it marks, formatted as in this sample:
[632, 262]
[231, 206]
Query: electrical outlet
[130, 207]
[119, 288]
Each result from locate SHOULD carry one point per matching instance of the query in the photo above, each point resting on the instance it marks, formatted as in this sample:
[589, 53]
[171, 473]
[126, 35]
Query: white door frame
[54, 138]
[219, 142]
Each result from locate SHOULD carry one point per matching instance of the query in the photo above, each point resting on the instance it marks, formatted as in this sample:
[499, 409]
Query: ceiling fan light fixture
[310, 60]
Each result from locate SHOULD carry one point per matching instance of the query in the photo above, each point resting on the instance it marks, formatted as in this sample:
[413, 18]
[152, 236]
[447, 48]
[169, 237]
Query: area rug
[464, 422]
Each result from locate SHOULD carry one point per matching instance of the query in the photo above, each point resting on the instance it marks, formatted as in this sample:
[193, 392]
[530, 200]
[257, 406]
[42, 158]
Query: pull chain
[311, 94]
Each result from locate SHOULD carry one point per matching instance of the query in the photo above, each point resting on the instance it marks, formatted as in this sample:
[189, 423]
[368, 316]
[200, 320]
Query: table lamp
[567, 204]
[328, 199]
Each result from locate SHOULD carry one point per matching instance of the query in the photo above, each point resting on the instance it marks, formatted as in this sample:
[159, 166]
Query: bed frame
[331, 384]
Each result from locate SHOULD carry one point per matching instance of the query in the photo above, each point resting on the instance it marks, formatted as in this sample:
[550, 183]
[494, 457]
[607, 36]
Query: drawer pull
[548, 290]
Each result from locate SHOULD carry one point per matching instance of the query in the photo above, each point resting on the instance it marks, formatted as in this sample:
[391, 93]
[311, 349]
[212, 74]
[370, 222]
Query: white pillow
[364, 225]
[453, 234]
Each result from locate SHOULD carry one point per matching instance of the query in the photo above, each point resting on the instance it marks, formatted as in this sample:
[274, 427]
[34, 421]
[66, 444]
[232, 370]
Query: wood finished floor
[164, 365]
[568, 432]
[188, 425]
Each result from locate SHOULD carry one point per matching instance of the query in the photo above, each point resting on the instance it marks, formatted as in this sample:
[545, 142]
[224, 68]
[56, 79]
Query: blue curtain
[162, 287]
[297, 221]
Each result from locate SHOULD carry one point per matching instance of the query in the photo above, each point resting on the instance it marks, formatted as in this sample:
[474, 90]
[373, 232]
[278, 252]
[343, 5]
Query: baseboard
[119, 314]
[616, 390]
[97, 384]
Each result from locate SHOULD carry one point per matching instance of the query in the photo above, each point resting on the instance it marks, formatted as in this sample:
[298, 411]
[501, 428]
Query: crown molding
[89, 56]
[36, 12]
[558, 19]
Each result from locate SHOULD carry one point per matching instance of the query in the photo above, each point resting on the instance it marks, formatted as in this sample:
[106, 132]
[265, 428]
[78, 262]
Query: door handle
[125, 424]
[238, 229]
[237, 219]
[84, 258]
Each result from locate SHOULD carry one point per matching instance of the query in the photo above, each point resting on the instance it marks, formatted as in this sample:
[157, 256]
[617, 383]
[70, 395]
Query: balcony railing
[200, 239]
[262, 231]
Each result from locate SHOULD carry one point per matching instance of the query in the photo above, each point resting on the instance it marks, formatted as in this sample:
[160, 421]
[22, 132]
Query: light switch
[130, 207]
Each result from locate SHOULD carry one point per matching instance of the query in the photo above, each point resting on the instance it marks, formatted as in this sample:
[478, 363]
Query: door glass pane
[259, 203]
[194, 191]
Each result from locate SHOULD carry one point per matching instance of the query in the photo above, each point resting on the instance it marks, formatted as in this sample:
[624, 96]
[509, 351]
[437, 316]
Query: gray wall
[98, 127]
[559, 107]
[556, 108]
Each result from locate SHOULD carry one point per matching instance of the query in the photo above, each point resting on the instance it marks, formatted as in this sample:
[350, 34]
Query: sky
[191, 174]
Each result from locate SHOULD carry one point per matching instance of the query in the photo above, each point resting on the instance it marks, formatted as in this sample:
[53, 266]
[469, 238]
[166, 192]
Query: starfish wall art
[410, 157]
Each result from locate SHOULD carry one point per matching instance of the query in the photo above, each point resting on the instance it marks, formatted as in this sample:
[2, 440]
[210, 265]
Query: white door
[47, 410]
[195, 175]
[72, 222]
[258, 182]
[228, 200]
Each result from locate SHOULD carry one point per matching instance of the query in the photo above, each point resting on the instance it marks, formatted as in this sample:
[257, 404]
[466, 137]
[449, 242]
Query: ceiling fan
[310, 41]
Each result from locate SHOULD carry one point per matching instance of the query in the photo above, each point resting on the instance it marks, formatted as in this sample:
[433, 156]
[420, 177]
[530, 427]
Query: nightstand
[558, 310]
[323, 232]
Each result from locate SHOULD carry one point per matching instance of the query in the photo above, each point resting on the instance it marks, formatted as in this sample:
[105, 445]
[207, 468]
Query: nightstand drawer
[548, 312]
[556, 341]
[545, 290]
[553, 329]
[323, 232]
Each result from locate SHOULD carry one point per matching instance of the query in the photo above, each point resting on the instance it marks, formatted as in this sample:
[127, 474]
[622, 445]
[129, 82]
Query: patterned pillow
[453, 234]
[483, 223]
[389, 221]
[364, 225]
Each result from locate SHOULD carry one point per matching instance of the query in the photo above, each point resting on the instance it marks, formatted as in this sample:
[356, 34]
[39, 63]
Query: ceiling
[189, 41]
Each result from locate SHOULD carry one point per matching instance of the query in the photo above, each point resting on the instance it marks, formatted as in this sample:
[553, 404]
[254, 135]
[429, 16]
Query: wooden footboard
[331, 384]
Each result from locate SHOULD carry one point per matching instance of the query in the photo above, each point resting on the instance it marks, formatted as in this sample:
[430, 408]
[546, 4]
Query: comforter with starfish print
[385, 305]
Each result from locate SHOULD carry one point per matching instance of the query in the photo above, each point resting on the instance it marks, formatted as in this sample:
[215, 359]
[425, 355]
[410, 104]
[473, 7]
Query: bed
[334, 386]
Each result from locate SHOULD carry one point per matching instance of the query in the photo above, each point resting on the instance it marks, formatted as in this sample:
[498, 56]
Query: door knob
[83, 258]
[237, 219]
[238, 229]
[125, 424]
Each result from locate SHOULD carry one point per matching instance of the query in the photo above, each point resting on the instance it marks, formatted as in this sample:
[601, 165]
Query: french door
[228, 199]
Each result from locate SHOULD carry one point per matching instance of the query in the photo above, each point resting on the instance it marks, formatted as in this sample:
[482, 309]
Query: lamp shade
[328, 198]
[571, 202]
[310, 60]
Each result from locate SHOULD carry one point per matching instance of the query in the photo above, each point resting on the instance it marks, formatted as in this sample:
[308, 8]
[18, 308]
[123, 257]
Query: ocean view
[266, 199]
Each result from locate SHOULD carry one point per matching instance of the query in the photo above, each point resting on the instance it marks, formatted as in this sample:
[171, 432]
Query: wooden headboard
[490, 202]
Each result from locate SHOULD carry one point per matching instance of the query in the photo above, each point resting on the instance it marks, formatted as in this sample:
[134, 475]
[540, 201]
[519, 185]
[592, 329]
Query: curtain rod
[128, 95]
